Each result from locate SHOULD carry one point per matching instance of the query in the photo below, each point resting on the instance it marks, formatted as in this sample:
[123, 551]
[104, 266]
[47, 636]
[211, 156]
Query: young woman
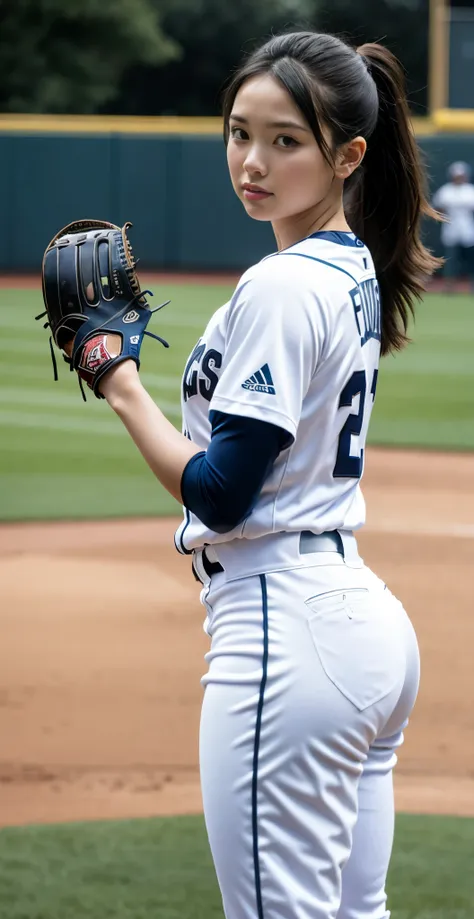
[313, 668]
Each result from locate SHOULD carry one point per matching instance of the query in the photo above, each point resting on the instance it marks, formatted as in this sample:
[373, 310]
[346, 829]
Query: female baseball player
[313, 664]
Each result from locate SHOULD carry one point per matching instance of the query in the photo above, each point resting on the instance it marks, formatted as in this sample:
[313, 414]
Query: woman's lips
[255, 193]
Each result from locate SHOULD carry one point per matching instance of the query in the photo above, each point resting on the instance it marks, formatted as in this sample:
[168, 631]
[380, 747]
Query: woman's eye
[238, 133]
[285, 141]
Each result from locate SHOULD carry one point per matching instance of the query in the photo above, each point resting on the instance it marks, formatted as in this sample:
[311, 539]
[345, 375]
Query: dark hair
[361, 92]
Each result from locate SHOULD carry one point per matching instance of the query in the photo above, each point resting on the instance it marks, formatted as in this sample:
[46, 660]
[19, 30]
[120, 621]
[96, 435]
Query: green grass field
[425, 398]
[161, 869]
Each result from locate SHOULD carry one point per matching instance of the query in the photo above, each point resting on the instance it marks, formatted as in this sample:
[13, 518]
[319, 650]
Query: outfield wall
[173, 186]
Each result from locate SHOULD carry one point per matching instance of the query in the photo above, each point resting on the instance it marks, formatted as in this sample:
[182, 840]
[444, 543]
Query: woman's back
[297, 346]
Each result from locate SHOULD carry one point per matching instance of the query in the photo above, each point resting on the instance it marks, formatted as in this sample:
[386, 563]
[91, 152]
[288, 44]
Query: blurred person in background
[455, 200]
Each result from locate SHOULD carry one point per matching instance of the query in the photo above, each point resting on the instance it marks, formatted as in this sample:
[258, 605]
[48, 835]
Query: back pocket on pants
[357, 640]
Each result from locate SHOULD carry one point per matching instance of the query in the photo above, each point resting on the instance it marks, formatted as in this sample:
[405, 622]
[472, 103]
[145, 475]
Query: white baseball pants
[313, 673]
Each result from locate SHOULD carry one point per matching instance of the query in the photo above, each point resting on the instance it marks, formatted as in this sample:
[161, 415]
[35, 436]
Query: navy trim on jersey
[256, 748]
[183, 550]
[340, 237]
[322, 262]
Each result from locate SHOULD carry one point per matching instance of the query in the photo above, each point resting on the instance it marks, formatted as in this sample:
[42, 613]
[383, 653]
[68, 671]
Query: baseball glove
[94, 304]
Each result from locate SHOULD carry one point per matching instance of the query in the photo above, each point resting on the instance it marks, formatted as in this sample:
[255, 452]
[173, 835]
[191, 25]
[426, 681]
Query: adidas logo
[261, 381]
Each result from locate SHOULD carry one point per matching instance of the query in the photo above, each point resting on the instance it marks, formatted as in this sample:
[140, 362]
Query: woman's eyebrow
[272, 124]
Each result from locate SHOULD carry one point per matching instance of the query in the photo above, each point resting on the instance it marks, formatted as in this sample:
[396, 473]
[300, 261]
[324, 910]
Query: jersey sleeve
[273, 341]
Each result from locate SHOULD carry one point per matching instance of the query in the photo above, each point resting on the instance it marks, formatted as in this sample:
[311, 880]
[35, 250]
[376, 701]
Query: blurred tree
[215, 33]
[401, 25]
[173, 56]
[69, 55]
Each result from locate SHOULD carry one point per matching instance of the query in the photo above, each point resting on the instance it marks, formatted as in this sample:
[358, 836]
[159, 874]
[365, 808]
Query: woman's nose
[255, 161]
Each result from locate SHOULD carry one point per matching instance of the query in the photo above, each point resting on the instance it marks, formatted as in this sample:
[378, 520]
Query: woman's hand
[119, 380]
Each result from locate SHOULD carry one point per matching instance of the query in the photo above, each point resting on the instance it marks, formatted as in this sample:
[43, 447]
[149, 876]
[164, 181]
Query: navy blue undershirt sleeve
[221, 485]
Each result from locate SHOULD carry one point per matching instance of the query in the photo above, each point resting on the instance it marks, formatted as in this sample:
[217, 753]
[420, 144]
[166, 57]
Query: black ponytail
[388, 198]
[361, 93]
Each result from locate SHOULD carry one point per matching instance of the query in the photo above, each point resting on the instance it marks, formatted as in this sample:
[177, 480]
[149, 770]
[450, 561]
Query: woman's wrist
[120, 384]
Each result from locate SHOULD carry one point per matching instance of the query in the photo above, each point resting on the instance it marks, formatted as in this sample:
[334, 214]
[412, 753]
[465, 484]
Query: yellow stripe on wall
[454, 120]
[108, 124]
[422, 127]
[128, 124]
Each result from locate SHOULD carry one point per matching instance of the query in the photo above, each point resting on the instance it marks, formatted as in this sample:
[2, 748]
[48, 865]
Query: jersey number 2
[347, 466]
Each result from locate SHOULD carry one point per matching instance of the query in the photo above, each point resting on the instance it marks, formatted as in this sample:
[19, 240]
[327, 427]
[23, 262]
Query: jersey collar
[340, 237]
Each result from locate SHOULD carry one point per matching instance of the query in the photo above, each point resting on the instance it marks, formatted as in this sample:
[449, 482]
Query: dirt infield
[102, 648]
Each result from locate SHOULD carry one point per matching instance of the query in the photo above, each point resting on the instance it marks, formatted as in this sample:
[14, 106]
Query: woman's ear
[349, 157]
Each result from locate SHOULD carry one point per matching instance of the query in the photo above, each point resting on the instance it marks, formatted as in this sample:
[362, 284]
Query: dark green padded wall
[54, 180]
[138, 193]
[215, 231]
[175, 189]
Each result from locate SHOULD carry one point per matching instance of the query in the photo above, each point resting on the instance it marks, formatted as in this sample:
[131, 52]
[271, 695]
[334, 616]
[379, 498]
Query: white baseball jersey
[457, 202]
[298, 346]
